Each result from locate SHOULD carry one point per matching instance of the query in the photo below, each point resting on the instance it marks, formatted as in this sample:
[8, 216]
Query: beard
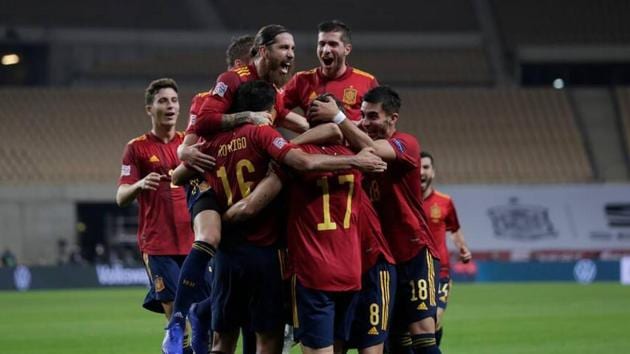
[275, 74]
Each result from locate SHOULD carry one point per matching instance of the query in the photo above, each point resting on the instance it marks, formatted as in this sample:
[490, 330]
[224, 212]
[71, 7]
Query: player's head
[239, 52]
[162, 102]
[427, 170]
[379, 112]
[334, 44]
[256, 96]
[273, 51]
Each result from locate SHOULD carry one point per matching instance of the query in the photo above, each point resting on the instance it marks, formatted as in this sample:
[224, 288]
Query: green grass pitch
[481, 318]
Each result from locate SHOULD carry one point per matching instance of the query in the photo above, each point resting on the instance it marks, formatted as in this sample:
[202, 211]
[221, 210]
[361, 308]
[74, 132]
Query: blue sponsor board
[583, 271]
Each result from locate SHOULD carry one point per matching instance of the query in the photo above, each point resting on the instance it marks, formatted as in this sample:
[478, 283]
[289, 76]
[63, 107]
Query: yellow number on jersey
[244, 186]
[328, 224]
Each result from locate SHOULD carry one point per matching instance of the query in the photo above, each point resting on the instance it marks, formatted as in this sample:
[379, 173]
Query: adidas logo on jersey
[422, 306]
[154, 159]
[373, 331]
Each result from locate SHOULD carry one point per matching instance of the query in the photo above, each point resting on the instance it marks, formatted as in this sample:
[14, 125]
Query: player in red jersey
[397, 196]
[242, 158]
[164, 234]
[334, 75]
[440, 210]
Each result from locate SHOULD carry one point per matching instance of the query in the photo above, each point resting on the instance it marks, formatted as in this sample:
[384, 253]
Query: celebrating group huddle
[325, 231]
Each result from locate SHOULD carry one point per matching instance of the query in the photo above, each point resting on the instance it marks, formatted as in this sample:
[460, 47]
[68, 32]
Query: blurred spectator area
[623, 103]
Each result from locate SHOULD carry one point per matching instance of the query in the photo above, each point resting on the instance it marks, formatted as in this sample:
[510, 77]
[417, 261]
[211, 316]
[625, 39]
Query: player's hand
[197, 159]
[320, 111]
[151, 181]
[367, 161]
[464, 254]
[259, 118]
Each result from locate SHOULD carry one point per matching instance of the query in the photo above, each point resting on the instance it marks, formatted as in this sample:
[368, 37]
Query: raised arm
[365, 160]
[182, 174]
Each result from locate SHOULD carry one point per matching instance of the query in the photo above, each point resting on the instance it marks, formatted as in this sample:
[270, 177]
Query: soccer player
[334, 75]
[164, 234]
[273, 56]
[237, 54]
[397, 197]
[247, 279]
[440, 210]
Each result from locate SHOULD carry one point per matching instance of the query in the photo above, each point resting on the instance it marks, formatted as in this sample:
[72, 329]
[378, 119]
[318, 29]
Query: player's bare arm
[295, 123]
[195, 158]
[365, 161]
[327, 111]
[323, 134]
[259, 198]
[460, 243]
[182, 174]
[127, 193]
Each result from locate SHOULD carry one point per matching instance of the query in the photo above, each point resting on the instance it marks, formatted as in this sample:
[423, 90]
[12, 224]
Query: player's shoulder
[404, 138]
[442, 196]
[180, 135]
[138, 140]
[243, 72]
[305, 74]
[361, 73]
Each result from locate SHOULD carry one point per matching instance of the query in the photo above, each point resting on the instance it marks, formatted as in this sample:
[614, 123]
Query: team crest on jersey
[436, 213]
[158, 282]
[279, 142]
[220, 89]
[154, 159]
[125, 170]
[399, 145]
[350, 95]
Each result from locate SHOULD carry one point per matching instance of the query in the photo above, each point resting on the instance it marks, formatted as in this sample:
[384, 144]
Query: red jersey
[373, 243]
[442, 217]
[349, 88]
[164, 222]
[397, 197]
[207, 108]
[242, 161]
[323, 232]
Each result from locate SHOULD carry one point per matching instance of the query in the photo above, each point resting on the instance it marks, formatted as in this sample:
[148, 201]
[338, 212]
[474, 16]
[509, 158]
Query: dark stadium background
[524, 103]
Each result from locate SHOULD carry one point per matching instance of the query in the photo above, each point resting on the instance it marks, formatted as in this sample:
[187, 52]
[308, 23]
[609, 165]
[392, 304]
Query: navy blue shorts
[163, 272]
[416, 296]
[247, 289]
[374, 306]
[444, 289]
[321, 317]
[199, 200]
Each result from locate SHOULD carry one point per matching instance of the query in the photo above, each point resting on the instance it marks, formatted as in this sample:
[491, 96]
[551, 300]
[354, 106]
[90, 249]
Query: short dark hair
[255, 96]
[267, 36]
[336, 26]
[386, 96]
[324, 97]
[428, 155]
[155, 86]
[239, 48]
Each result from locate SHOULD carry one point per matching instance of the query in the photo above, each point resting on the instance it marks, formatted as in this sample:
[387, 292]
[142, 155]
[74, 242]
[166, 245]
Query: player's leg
[229, 299]
[264, 276]
[418, 290]
[313, 319]
[370, 326]
[345, 309]
[444, 290]
[191, 283]
[248, 340]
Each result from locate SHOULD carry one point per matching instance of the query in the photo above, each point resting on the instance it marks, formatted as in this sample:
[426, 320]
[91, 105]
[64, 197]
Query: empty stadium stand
[67, 136]
[497, 135]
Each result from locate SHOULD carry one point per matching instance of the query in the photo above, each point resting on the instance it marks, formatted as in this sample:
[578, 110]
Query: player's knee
[207, 225]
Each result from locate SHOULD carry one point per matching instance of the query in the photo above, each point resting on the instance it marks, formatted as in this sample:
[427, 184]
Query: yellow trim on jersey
[363, 73]
[138, 138]
[440, 194]
[385, 298]
[431, 275]
[242, 70]
[296, 321]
